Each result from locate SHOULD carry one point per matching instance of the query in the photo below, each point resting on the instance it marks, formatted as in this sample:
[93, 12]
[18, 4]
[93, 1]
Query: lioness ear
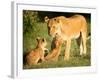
[46, 19]
[43, 39]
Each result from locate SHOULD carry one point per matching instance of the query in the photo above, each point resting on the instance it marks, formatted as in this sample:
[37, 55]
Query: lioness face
[53, 27]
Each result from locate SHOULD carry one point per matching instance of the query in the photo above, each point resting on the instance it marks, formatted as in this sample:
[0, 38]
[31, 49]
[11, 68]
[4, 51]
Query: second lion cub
[38, 53]
[57, 42]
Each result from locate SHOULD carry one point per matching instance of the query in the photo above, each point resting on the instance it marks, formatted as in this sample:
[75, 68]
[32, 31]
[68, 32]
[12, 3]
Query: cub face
[41, 42]
[56, 42]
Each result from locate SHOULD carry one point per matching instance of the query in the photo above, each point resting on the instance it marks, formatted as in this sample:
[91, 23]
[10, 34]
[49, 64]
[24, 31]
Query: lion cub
[57, 43]
[38, 53]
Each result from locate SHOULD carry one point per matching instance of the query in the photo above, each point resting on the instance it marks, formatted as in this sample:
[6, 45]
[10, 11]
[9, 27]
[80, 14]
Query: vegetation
[34, 26]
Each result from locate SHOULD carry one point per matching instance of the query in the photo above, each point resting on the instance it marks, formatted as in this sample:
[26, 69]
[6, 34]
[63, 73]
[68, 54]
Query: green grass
[40, 29]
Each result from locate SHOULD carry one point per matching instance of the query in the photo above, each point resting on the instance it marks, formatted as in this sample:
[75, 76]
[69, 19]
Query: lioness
[35, 55]
[68, 29]
[53, 55]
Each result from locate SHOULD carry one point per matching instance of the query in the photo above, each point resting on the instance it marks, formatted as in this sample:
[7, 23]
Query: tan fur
[56, 50]
[35, 55]
[68, 29]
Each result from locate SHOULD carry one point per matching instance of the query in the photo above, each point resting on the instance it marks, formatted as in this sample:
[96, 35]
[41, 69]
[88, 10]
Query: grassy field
[40, 29]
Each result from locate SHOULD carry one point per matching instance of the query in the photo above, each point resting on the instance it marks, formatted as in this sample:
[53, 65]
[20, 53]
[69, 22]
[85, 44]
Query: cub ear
[38, 38]
[46, 19]
[43, 40]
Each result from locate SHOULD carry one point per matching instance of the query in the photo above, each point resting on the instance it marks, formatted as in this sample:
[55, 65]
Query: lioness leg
[79, 42]
[81, 48]
[67, 50]
[84, 42]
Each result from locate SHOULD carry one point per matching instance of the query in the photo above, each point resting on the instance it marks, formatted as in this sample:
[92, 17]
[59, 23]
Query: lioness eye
[53, 26]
